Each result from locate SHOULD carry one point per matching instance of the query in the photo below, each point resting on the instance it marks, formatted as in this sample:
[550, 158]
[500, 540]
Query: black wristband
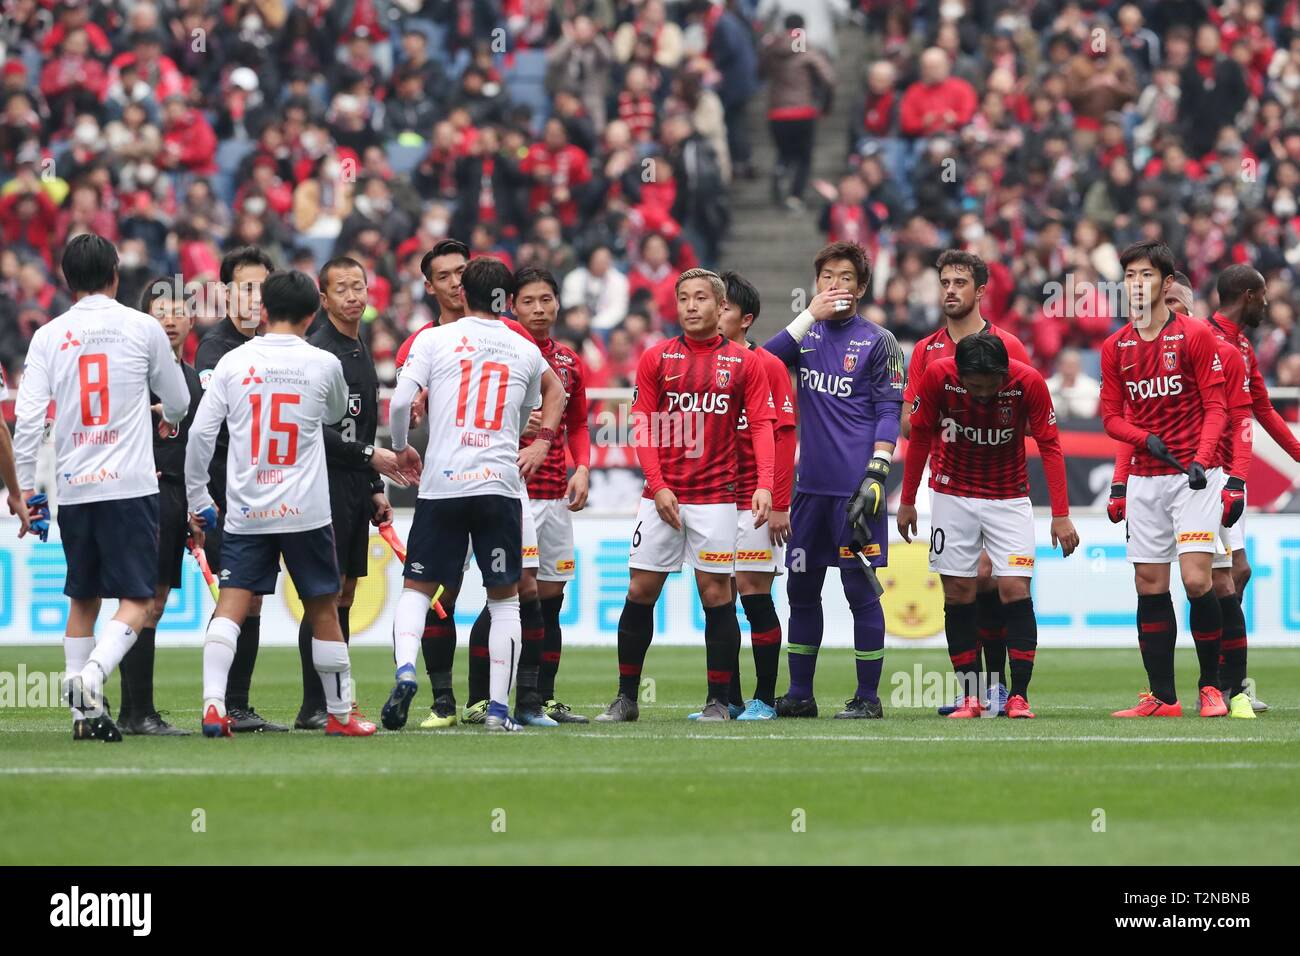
[1118, 491]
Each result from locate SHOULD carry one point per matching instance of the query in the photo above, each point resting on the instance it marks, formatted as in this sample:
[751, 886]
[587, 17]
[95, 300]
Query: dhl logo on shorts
[753, 555]
[530, 552]
[717, 557]
[1187, 536]
[1020, 561]
[870, 551]
[564, 565]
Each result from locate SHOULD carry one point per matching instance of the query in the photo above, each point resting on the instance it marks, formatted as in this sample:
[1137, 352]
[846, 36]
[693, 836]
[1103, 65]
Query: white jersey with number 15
[481, 377]
[276, 392]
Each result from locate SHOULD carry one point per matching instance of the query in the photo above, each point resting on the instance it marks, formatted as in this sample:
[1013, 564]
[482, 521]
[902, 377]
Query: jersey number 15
[287, 454]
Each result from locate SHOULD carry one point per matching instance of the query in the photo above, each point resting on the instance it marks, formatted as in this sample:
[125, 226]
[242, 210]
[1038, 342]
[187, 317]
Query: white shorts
[1233, 540]
[707, 541]
[754, 548]
[1166, 518]
[553, 522]
[529, 537]
[960, 528]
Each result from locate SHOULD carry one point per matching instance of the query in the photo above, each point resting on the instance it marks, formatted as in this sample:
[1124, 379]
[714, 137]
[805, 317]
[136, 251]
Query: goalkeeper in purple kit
[850, 381]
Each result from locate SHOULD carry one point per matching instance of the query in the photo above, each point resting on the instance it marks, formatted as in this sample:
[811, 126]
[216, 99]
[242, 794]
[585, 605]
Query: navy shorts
[173, 532]
[252, 561]
[444, 527]
[820, 536]
[111, 547]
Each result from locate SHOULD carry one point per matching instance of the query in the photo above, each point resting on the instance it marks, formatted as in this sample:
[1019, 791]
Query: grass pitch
[1072, 786]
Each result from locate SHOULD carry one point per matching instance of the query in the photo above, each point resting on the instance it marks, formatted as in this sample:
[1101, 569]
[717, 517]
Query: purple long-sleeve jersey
[851, 377]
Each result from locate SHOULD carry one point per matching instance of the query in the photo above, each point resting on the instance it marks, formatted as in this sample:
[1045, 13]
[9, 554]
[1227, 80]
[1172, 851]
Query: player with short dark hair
[353, 462]
[760, 552]
[850, 393]
[1162, 392]
[691, 391]
[242, 273]
[137, 714]
[276, 392]
[963, 279]
[98, 362]
[970, 414]
[479, 375]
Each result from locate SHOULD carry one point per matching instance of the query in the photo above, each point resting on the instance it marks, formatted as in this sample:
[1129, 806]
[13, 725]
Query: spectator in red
[559, 171]
[483, 241]
[145, 63]
[636, 107]
[74, 81]
[74, 15]
[29, 218]
[266, 182]
[189, 144]
[654, 273]
[801, 82]
[938, 102]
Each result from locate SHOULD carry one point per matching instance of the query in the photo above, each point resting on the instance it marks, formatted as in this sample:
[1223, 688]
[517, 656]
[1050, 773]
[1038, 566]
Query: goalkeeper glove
[1116, 507]
[1196, 476]
[869, 500]
[1234, 501]
[38, 510]
[1158, 449]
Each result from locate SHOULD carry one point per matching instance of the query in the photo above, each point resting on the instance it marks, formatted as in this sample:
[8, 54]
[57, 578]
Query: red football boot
[355, 727]
[215, 724]
[970, 707]
[1149, 705]
[1017, 706]
[1212, 704]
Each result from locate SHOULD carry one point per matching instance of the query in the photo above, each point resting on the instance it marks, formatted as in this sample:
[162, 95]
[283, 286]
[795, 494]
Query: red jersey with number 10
[977, 449]
[686, 409]
[1172, 387]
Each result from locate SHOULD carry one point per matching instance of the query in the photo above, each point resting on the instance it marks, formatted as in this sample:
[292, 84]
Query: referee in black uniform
[354, 464]
[138, 714]
[243, 271]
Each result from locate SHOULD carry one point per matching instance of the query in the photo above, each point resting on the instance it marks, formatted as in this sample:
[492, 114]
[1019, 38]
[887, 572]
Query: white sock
[335, 669]
[218, 655]
[108, 653]
[76, 651]
[408, 627]
[505, 637]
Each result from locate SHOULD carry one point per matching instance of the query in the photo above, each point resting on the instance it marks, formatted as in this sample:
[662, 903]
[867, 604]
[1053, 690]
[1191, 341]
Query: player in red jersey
[690, 393]
[1236, 449]
[1162, 391]
[969, 416]
[963, 277]
[760, 552]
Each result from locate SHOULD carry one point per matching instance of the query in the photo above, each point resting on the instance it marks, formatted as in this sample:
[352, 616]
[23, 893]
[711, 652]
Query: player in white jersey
[481, 379]
[98, 362]
[276, 393]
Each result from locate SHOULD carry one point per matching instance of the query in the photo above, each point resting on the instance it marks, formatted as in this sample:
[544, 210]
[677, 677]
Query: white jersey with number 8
[98, 362]
[276, 392]
[481, 377]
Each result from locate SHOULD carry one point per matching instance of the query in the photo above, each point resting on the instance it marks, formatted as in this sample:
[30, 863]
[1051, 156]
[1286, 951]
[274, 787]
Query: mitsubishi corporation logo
[464, 345]
[253, 377]
[69, 341]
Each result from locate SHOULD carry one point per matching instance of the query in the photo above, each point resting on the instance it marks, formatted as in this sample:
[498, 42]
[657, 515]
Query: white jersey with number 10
[276, 392]
[481, 377]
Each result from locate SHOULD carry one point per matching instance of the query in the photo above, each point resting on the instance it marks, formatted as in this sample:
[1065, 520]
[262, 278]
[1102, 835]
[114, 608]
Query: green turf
[913, 788]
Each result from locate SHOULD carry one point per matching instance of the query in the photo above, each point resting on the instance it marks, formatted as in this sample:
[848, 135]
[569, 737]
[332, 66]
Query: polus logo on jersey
[710, 402]
[1166, 386]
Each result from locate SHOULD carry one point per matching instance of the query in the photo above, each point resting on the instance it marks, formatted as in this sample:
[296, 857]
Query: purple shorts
[820, 535]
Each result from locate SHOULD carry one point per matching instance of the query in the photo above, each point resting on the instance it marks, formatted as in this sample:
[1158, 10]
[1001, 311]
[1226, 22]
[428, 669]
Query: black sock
[734, 694]
[1022, 643]
[345, 624]
[530, 652]
[959, 627]
[552, 641]
[313, 693]
[137, 676]
[991, 628]
[438, 647]
[1232, 662]
[721, 635]
[241, 669]
[1157, 634]
[765, 635]
[1206, 621]
[480, 666]
[635, 631]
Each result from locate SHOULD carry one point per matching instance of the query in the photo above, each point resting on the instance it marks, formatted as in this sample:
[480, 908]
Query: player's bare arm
[578, 488]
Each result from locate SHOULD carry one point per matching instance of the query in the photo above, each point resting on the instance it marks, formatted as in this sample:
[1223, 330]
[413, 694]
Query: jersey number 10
[288, 454]
[492, 375]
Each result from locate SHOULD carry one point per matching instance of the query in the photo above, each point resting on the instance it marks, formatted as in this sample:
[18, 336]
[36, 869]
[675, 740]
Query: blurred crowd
[599, 138]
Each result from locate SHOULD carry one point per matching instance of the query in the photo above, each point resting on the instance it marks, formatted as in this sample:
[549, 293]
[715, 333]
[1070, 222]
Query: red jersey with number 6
[686, 408]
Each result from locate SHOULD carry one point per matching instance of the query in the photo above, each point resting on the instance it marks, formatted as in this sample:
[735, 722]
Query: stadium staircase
[770, 245]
